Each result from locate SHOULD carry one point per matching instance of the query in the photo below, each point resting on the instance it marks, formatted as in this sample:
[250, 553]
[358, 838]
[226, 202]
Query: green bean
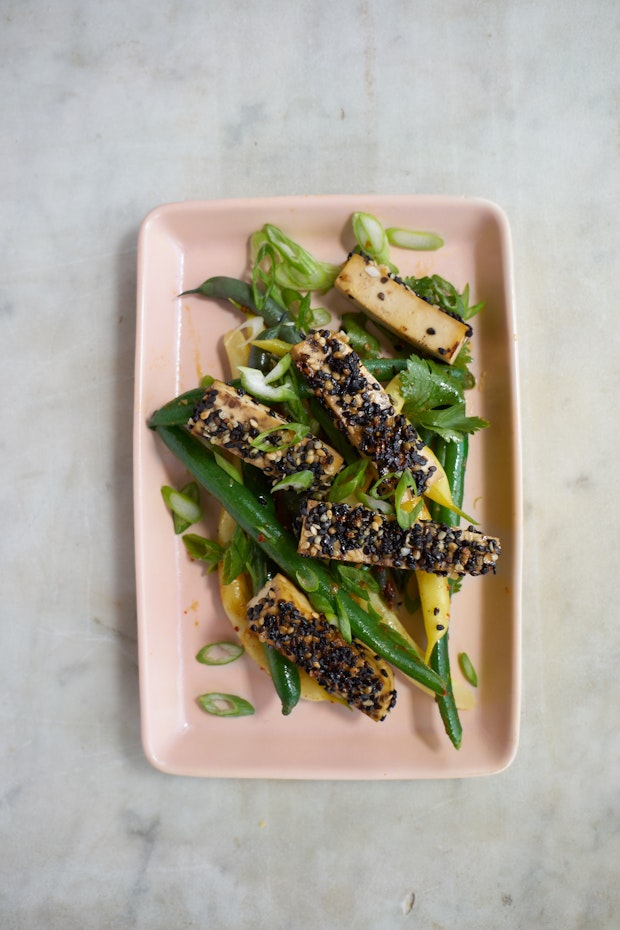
[240, 293]
[440, 662]
[384, 369]
[283, 672]
[178, 411]
[257, 521]
[453, 457]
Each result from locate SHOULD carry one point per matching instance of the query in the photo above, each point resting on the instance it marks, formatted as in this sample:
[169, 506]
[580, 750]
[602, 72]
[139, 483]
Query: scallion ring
[413, 239]
[371, 236]
[299, 431]
[225, 705]
[184, 504]
[319, 317]
[407, 507]
[344, 624]
[279, 370]
[298, 481]
[468, 670]
[253, 381]
[375, 489]
[348, 480]
[219, 653]
[307, 580]
[374, 503]
[227, 466]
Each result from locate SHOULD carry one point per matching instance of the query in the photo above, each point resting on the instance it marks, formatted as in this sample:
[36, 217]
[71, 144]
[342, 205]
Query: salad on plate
[336, 449]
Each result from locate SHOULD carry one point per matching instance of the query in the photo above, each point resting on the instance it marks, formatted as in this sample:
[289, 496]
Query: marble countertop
[108, 110]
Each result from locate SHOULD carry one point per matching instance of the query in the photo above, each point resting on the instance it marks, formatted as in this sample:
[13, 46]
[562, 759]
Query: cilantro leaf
[451, 422]
[427, 384]
[434, 398]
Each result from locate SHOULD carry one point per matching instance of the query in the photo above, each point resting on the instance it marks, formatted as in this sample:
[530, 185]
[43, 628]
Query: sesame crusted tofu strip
[385, 298]
[230, 418]
[359, 534]
[360, 407]
[283, 617]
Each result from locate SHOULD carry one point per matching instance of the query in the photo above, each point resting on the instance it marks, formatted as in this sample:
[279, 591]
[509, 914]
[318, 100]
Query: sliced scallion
[184, 504]
[371, 237]
[348, 480]
[386, 481]
[279, 370]
[407, 507]
[298, 481]
[468, 670]
[219, 653]
[227, 466]
[321, 604]
[298, 269]
[319, 317]
[225, 705]
[298, 430]
[307, 580]
[413, 239]
[263, 275]
[344, 624]
[374, 503]
[253, 381]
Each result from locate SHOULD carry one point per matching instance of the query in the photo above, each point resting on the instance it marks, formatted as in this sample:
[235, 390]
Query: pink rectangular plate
[180, 340]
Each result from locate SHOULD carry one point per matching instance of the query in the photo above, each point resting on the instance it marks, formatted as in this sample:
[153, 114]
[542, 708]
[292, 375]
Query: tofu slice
[387, 300]
[360, 406]
[359, 534]
[283, 617]
[230, 418]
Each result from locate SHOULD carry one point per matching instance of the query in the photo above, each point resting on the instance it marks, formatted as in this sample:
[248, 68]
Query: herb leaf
[427, 384]
[452, 422]
[434, 398]
[236, 556]
[443, 294]
[204, 550]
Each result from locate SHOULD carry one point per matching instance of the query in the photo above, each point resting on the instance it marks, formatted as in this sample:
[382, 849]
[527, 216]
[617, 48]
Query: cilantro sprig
[434, 398]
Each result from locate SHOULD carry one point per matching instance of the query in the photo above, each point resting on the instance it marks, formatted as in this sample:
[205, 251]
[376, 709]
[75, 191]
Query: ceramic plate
[179, 341]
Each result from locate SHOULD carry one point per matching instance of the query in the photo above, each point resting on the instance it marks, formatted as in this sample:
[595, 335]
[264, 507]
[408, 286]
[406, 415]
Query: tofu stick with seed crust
[360, 407]
[359, 534]
[283, 617]
[230, 418]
